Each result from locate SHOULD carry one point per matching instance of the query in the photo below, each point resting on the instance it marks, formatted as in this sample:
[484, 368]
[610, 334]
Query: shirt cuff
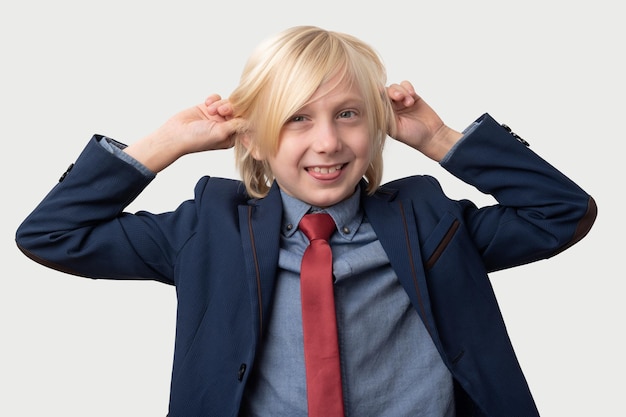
[469, 129]
[117, 149]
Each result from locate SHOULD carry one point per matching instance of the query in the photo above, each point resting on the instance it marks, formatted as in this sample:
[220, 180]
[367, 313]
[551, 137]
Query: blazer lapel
[260, 224]
[393, 221]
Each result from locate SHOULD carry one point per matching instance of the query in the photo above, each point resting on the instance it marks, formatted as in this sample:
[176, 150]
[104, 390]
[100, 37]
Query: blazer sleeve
[80, 226]
[540, 211]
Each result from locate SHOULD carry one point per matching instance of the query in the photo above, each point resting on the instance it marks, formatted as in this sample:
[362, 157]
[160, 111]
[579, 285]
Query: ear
[249, 144]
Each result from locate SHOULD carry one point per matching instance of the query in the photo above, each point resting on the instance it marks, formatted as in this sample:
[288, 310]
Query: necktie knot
[317, 226]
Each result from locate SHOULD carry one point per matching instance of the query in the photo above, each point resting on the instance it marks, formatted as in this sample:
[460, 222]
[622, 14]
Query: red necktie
[321, 349]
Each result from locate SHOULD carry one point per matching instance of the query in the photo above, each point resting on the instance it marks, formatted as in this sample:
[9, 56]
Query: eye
[346, 114]
[296, 119]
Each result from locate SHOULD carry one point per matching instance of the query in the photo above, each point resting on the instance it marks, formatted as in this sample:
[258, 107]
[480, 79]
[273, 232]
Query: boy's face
[325, 148]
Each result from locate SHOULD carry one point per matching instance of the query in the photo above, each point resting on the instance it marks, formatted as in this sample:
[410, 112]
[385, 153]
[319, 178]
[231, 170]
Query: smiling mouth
[326, 170]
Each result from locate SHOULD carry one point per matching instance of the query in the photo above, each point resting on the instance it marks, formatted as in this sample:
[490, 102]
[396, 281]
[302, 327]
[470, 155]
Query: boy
[418, 324]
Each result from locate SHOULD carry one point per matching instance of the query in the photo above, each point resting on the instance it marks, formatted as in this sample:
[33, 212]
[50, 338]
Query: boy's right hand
[204, 127]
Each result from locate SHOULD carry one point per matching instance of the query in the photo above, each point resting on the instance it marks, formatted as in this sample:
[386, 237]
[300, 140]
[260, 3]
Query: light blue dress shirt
[390, 366]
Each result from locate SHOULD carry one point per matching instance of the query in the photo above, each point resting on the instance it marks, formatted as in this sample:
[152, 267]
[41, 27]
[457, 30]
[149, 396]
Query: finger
[229, 131]
[402, 94]
[225, 108]
[212, 99]
[408, 87]
[210, 104]
[411, 96]
[221, 107]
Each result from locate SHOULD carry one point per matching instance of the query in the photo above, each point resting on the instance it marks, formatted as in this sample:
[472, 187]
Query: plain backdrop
[552, 70]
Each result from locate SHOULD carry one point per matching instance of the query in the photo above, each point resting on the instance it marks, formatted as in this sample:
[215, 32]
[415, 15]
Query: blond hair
[282, 75]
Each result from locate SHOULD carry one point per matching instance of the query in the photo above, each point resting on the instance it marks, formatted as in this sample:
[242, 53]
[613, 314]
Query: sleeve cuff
[467, 131]
[117, 149]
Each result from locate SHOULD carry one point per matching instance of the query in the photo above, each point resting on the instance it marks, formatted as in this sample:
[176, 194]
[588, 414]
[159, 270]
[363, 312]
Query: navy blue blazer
[220, 250]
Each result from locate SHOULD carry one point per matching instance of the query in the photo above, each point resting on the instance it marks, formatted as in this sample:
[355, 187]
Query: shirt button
[345, 230]
[289, 226]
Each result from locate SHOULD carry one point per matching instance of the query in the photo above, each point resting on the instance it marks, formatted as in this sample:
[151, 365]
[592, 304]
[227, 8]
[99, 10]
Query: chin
[327, 200]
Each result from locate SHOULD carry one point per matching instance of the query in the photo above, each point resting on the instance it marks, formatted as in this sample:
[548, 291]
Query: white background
[553, 70]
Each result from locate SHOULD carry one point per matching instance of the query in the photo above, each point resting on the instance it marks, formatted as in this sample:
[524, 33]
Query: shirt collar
[347, 214]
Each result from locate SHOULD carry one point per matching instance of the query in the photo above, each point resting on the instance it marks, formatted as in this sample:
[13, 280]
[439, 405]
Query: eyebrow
[355, 100]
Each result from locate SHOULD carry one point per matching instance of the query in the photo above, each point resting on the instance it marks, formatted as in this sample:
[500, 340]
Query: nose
[327, 138]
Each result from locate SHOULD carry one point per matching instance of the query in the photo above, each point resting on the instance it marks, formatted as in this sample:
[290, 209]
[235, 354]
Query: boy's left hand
[417, 124]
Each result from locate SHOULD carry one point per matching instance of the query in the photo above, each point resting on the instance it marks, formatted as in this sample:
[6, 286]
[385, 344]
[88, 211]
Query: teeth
[324, 170]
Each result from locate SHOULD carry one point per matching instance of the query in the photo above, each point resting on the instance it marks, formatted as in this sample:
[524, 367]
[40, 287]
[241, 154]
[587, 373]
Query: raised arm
[81, 228]
[203, 127]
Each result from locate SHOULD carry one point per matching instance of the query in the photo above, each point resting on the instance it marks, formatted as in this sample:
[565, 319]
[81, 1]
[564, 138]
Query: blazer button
[515, 135]
[241, 373]
[66, 172]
